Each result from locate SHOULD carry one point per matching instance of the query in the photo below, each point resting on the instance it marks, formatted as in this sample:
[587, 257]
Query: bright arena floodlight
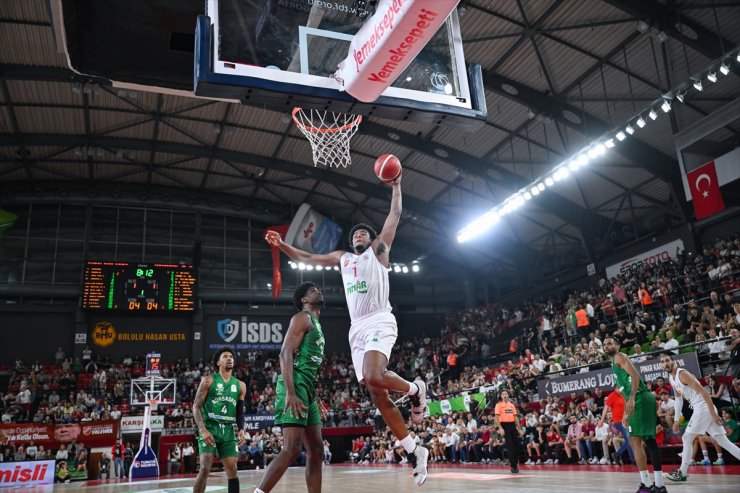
[610, 143]
[666, 106]
[712, 77]
[549, 181]
[415, 267]
[641, 122]
[396, 268]
[302, 266]
[621, 135]
[480, 225]
[653, 115]
[698, 86]
[405, 269]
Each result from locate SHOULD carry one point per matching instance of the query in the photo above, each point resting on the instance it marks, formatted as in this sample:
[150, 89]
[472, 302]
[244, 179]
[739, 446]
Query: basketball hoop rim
[354, 122]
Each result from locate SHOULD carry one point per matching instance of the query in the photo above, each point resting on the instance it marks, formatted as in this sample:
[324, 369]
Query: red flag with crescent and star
[705, 191]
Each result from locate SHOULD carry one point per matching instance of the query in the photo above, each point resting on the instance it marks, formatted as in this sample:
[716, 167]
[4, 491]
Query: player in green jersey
[297, 409]
[218, 410]
[640, 416]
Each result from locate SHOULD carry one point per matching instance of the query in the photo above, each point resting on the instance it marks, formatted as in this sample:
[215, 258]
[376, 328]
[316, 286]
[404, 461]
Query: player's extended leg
[726, 444]
[230, 469]
[314, 446]
[378, 382]
[374, 376]
[293, 437]
[681, 473]
[206, 461]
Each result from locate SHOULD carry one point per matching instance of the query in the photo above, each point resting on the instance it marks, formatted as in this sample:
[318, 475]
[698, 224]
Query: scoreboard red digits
[139, 287]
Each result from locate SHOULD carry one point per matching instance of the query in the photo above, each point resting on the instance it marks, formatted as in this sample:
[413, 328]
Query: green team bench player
[219, 410]
[297, 408]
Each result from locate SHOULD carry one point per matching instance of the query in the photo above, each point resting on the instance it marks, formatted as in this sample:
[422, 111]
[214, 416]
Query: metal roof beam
[434, 212]
[706, 42]
[659, 164]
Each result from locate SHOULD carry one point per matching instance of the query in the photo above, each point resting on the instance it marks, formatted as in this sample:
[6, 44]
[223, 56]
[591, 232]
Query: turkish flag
[705, 190]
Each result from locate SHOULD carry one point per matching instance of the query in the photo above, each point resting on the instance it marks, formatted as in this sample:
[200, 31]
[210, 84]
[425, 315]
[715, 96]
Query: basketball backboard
[153, 391]
[282, 54]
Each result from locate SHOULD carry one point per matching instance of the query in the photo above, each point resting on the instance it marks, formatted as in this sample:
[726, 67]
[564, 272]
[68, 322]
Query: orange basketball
[387, 167]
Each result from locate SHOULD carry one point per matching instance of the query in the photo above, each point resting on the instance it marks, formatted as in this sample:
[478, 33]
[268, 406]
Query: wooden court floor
[341, 478]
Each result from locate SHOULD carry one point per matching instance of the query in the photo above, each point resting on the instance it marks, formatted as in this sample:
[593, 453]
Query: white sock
[408, 444]
[719, 455]
[658, 478]
[413, 389]
[705, 453]
[645, 478]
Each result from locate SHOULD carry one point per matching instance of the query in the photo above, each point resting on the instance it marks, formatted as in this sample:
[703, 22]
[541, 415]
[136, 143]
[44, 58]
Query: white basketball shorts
[374, 332]
[701, 422]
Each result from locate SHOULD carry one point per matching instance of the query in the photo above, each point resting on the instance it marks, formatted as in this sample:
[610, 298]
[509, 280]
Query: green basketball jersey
[624, 382]
[310, 353]
[220, 405]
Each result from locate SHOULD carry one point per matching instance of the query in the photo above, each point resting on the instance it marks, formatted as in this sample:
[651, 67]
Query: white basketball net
[328, 133]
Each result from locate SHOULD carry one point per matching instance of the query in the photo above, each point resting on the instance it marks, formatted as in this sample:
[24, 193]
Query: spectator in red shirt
[588, 430]
[615, 403]
[555, 445]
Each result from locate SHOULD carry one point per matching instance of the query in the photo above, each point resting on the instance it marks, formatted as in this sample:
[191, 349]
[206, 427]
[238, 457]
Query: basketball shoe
[418, 460]
[676, 476]
[419, 401]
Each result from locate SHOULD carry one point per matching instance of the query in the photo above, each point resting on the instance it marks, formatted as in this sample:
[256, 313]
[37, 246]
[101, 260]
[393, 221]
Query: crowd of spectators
[652, 306]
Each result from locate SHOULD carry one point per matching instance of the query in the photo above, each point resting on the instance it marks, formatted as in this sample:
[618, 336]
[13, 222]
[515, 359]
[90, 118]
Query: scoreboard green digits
[136, 287]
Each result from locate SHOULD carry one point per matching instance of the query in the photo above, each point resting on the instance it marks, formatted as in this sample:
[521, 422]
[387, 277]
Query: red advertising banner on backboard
[91, 433]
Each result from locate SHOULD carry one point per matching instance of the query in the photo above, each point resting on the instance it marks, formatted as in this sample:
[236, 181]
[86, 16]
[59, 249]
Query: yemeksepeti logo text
[243, 334]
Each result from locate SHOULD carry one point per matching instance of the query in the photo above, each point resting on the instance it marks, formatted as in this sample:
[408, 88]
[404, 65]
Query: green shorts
[225, 438]
[645, 418]
[311, 415]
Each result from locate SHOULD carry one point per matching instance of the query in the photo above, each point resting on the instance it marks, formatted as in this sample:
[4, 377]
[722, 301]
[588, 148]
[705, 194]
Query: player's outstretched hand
[396, 180]
[273, 238]
[323, 410]
[294, 406]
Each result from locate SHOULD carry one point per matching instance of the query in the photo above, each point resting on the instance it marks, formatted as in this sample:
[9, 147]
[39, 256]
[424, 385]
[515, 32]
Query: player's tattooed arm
[200, 400]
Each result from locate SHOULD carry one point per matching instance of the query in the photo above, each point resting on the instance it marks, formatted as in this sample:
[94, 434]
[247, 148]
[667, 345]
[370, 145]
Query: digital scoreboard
[138, 287]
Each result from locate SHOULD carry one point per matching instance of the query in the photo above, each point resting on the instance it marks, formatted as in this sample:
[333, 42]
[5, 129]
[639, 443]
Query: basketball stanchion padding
[328, 133]
[387, 167]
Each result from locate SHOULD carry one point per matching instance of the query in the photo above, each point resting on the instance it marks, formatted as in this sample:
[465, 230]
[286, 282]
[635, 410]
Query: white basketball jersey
[695, 399]
[365, 282]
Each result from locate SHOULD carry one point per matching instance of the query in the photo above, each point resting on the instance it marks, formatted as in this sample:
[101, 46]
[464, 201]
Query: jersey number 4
[224, 410]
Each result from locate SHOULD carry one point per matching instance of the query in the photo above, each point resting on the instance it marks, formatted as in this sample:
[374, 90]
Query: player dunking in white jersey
[373, 331]
[704, 420]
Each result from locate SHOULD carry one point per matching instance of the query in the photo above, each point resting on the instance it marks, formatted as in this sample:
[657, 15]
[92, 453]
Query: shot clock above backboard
[138, 287]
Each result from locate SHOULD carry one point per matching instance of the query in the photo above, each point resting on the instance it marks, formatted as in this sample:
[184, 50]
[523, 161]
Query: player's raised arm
[386, 236]
[326, 260]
